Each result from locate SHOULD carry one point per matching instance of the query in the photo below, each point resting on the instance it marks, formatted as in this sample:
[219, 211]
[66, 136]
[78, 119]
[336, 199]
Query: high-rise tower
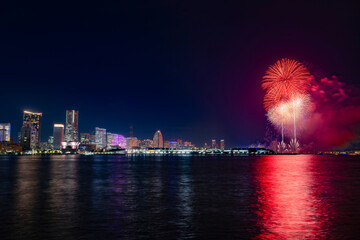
[58, 135]
[158, 140]
[100, 138]
[33, 120]
[222, 144]
[72, 126]
[5, 132]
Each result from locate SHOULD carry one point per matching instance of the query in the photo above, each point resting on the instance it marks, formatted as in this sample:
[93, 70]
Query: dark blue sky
[191, 69]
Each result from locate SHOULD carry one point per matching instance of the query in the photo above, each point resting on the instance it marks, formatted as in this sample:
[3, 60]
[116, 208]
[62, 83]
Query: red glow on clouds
[336, 115]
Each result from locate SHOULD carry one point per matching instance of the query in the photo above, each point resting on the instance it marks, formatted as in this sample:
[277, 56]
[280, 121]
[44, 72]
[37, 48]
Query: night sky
[191, 69]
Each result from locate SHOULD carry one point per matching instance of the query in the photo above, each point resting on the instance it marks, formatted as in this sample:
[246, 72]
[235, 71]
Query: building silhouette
[213, 144]
[28, 138]
[158, 140]
[100, 138]
[33, 121]
[58, 134]
[72, 126]
[222, 144]
[5, 132]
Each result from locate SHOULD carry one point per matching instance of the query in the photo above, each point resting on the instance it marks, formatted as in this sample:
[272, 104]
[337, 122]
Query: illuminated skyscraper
[72, 126]
[222, 144]
[33, 120]
[158, 140]
[213, 143]
[28, 138]
[58, 134]
[5, 132]
[100, 138]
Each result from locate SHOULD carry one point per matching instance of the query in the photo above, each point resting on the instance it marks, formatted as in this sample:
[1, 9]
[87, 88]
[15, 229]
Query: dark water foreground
[119, 197]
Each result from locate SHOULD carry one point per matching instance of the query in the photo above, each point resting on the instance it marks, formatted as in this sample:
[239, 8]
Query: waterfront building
[146, 143]
[32, 120]
[179, 144]
[115, 141]
[172, 144]
[58, 134]
[28, 138]
[109, 138]
[132, 142]
[100, 138]
[222, 144]
[213, 144]
[188, 145]
[45, 146]
[85, 138]
[72, 126]
[206, 146]
[166, 144]
[158, 140]
[51, 142]
[5, 132]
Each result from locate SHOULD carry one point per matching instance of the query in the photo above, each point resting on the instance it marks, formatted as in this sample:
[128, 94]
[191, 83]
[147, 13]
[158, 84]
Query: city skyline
[188, 71]
[60, 132]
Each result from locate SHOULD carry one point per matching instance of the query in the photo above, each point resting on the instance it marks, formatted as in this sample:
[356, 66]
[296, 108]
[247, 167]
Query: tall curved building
[158, 140]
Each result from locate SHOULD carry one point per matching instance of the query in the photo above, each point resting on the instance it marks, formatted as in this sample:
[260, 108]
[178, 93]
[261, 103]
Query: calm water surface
[120, 197]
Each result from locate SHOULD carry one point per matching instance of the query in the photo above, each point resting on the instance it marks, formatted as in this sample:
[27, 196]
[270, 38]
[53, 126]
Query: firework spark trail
[283, 113]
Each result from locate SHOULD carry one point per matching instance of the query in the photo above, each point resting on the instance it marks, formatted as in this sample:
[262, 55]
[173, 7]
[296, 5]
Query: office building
[132, 142]
[72, 126]
[146, 143]
[58, 134]
[158, 140]
[172, 144]
[32, 120]
[51, 141]
[222, 144]
[213, 143]
[100, 138]
[5, 132]
[179, 144]
[28, 138]
[85, 138]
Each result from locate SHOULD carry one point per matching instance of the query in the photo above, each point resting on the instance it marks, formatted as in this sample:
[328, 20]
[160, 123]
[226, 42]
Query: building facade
[115, 141]
[28, 138]
[85, 138]
[222, 144]
[58, 134]
[32, 120]
[100, 138]
[213, 143]
[158, 140]
[72, 126]
[5, 132]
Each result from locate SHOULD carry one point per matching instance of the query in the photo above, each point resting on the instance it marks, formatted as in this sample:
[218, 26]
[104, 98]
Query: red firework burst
[283, 80]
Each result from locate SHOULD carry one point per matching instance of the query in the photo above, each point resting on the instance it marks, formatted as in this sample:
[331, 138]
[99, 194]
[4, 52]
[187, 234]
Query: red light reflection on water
[287, 204]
